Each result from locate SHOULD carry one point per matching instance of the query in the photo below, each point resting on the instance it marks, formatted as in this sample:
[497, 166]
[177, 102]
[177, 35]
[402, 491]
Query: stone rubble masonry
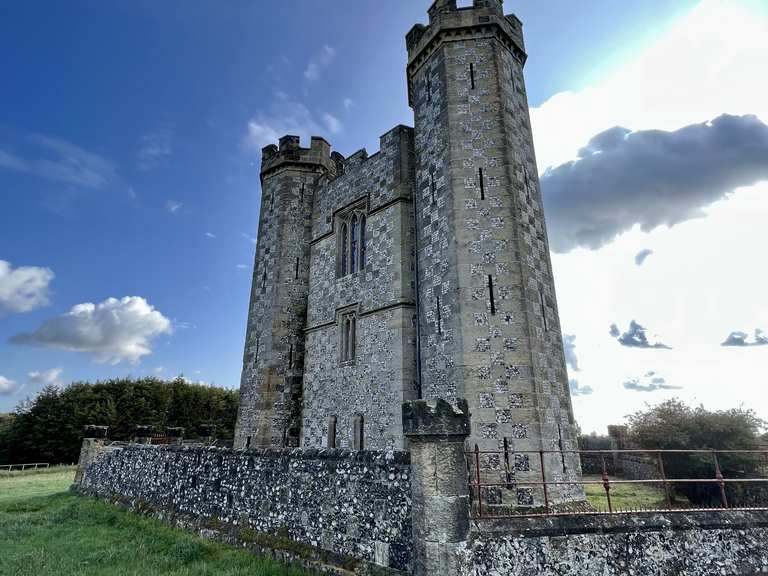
[727, 543]
[488, 324]
[371, 512]
[343, 507]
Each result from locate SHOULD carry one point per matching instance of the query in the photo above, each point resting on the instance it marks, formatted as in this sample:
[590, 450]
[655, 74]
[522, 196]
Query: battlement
[447, 22]
[289, 152]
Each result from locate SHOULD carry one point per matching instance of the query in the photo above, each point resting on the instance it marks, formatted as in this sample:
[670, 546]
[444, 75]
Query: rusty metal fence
[745, 469]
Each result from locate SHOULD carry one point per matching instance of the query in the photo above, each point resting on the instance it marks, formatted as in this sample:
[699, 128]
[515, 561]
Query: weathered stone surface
[488, 314]
[684, 544]
[435, 417]
[356, 504]
[456, 299]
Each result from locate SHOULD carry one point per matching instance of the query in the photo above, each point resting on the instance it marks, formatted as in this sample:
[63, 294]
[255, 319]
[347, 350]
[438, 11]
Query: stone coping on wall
[636, 522]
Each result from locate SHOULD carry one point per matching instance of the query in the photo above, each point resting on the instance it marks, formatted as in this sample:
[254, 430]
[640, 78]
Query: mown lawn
[46, 530]
[628, 496]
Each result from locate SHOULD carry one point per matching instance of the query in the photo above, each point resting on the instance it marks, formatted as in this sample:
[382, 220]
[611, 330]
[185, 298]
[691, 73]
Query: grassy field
[47, 531]
[626, 496]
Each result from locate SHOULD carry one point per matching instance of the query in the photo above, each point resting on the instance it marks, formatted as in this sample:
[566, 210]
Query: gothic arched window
[362, 242]
[348, 340]
[352, 242]
[344, 248]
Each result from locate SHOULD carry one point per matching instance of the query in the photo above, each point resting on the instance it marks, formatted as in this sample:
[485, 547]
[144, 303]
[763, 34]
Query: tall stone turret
[273, 361]
[488, 323]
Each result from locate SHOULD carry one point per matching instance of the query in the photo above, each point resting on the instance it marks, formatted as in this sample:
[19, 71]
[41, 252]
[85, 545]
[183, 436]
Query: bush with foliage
[672, 425]
[49, 428]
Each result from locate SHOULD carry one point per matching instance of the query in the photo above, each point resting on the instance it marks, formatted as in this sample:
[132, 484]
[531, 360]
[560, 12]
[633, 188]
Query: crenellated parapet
[448, 23]
[289, 153]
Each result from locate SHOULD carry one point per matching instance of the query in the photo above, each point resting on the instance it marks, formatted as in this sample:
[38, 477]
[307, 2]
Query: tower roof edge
[289, 151]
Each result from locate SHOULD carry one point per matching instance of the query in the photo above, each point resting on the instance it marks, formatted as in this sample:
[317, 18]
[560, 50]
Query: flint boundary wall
[348, 509]
[726, 543]
[372, 512]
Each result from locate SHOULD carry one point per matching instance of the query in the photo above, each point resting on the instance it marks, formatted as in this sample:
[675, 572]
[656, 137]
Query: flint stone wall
[686, 544]
[352, 504]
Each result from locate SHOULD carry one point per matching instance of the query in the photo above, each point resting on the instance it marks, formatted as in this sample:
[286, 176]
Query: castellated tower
[420, 271]
[489, 327]
[271, 381]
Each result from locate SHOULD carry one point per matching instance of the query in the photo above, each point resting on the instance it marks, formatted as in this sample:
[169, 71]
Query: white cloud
[61, 161]
[650, 382]
[196, 382]
[741, 339]
[704, 279]
[173, 206]
[242, 266]
[7, 386]
[24, 288]
[153, 148]
[579, 390]
[319, 62]
[650, 177]
[210, 235]
[50, 377]
[286, 116]
[250, 238]
[348, 104]
[706, 65]
[641, 256]
[332, 123]
[569, 347]
[111, 331]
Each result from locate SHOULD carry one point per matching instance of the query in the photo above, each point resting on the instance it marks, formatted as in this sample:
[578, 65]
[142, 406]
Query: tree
[49, 428]
[672, 425]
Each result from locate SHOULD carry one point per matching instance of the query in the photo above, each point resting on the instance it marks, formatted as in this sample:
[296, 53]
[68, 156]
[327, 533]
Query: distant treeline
[49, 428]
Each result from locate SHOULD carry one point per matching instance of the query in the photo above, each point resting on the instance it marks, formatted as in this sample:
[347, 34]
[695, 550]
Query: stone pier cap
[436, 419]
[92, 431]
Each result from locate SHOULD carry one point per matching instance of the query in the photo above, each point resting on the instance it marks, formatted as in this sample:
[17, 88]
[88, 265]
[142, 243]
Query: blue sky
[129, 167]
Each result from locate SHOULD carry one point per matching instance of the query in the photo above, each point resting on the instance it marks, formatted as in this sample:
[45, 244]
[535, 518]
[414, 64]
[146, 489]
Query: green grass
[46, 530]
[627, 496]
[20, 485]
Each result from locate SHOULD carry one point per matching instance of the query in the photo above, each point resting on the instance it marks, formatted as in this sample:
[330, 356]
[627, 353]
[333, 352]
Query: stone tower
[273, 361]
[489, 327]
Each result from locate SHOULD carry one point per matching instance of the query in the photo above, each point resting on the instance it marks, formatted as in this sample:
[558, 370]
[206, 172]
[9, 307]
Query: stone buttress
[489, 327]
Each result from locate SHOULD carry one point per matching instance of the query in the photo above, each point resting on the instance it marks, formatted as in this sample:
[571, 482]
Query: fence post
[436, 432]
[663, 473]
[720, 480]
[606, 484]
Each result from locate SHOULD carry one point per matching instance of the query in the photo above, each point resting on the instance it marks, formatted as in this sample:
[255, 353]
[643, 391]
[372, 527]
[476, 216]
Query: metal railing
[23, 467]
[483, 465]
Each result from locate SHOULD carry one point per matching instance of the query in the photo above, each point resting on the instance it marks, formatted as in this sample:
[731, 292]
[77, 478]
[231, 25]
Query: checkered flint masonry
[451, 295]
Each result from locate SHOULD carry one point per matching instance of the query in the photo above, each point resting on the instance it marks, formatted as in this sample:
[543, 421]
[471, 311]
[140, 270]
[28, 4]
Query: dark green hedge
[50, 427]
